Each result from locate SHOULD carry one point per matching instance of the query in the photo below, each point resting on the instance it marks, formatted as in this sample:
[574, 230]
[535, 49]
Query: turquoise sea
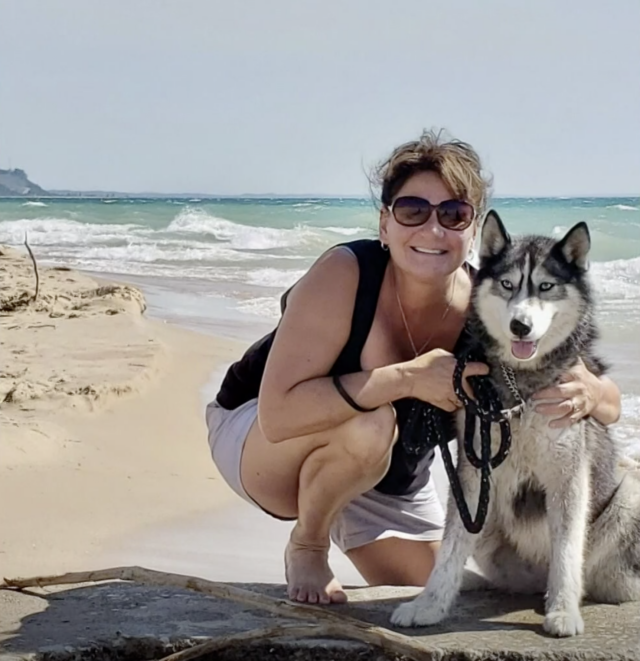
[221, 264]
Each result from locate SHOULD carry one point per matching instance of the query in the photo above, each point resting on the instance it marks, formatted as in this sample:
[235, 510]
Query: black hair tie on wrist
[347, 397]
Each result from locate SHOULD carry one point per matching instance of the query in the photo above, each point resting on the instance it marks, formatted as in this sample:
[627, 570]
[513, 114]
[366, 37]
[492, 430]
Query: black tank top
[409, 470]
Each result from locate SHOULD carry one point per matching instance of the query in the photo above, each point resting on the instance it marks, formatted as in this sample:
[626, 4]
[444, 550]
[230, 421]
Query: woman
[305, 424]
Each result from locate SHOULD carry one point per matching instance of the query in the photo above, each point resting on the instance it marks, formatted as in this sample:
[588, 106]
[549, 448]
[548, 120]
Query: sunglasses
[413, 211]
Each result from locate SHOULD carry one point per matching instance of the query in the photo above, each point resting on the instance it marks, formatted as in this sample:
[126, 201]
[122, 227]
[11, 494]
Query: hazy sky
[295, 96]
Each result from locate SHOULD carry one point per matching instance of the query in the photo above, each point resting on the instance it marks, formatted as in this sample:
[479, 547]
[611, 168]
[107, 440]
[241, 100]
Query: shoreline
[102, 421]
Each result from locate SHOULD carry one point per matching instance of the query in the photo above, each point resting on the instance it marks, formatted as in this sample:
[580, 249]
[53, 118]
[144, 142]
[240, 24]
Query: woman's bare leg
[395, 561]
[312, 478]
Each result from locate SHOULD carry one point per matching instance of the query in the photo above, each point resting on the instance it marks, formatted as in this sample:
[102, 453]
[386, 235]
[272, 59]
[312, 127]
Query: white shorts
[367, 518]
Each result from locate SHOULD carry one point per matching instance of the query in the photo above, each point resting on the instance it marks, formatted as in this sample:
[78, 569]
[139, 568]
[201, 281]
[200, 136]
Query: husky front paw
[418, 613]
[564, 623]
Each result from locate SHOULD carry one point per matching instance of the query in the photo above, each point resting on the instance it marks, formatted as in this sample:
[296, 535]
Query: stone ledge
[128, 622]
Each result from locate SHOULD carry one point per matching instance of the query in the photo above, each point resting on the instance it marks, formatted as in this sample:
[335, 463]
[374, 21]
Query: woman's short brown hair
[456, 162]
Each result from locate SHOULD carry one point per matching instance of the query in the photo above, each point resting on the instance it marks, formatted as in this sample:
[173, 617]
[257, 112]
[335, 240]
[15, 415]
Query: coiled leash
[434, 427]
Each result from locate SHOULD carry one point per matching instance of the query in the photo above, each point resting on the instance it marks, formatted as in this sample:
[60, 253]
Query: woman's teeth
[428, 252]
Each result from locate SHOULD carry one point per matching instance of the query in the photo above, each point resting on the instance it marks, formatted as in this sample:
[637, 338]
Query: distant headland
[16, 183]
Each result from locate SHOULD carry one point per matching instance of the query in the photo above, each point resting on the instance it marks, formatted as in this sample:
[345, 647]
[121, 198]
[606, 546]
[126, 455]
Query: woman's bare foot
[309, 577]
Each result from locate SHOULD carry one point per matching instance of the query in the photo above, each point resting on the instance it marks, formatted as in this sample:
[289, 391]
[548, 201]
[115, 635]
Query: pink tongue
[523, 350]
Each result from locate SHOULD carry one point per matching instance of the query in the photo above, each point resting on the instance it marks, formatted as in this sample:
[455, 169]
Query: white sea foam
[61, 231]
[623, 207]
[267, 307]
[620, 277]
[627, 431]
[274, 277]
[347, 231]
[161, 252]
[240, 237]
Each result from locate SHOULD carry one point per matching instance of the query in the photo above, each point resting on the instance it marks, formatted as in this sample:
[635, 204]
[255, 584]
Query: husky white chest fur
[563, 518]
[520, 485]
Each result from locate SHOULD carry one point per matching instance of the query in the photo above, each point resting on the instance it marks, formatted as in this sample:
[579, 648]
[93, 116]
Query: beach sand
[101, 420]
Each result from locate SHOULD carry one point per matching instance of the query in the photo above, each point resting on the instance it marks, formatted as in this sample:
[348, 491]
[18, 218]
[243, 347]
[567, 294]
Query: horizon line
[356, 196]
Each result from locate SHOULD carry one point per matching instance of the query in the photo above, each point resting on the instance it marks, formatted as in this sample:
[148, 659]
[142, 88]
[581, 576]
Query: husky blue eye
[546, 286]
[506, 284]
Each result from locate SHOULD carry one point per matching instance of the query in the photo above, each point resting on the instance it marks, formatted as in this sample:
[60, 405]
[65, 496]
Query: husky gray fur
[564, 517]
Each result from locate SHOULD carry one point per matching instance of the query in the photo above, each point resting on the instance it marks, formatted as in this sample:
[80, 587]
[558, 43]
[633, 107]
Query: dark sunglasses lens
[455, 215]
[411, 210]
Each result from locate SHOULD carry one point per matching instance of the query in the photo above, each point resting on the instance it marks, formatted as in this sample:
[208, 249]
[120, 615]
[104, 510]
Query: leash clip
[513, 412]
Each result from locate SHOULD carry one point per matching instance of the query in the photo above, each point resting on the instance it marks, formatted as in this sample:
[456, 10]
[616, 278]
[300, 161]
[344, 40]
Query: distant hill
[15, 183]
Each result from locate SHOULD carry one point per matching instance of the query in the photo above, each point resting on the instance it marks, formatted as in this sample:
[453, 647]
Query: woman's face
[429, 251]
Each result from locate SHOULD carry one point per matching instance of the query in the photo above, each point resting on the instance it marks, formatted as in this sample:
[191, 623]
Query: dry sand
[101, 421]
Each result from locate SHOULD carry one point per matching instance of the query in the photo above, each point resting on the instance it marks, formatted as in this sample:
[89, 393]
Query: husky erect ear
[494, 238]
[575, 245]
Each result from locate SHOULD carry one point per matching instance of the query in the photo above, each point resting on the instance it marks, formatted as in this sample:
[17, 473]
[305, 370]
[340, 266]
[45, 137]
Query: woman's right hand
[431, 378]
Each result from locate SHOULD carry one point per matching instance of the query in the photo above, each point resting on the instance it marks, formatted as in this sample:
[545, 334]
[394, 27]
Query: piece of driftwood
[234, 640]
[35, 267]
[326, 623]
[376, 636]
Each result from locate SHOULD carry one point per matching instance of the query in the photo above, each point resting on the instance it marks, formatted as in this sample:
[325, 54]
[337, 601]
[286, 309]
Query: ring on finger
[576, 409]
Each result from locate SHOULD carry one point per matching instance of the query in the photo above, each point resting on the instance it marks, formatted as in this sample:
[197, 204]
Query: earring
[383, 245]
[472, 256]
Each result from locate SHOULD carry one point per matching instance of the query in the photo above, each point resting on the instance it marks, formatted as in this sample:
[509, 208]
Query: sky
[304, 97]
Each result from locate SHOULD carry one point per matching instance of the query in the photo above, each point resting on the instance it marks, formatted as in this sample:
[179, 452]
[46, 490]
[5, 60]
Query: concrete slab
[128, 622]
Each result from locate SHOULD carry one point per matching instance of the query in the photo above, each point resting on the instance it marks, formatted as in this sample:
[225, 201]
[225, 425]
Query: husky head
[532, 294]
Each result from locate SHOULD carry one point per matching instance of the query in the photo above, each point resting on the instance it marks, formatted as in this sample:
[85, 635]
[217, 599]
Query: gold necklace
[404, 319]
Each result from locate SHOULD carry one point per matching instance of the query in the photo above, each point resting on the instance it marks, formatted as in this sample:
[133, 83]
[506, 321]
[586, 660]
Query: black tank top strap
[372, 262]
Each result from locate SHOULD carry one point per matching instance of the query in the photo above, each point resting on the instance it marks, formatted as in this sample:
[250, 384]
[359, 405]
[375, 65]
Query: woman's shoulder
[335, 270]
[337, 263]
[369, 256]
[360, 249]
[339, 266]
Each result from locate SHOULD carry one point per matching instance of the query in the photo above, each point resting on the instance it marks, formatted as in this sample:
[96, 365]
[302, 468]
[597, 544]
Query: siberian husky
[563, 517]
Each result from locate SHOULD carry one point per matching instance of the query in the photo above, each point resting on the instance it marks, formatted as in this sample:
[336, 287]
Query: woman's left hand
[578, 394]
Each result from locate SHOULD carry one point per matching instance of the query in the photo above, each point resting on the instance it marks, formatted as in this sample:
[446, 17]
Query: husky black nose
[519, 329]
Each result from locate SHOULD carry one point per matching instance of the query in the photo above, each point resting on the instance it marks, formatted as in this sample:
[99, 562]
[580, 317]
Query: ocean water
[221, 264]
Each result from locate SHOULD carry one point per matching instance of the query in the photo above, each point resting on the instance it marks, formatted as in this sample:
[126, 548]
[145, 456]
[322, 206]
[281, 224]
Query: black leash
[489, 409]
[437, 429]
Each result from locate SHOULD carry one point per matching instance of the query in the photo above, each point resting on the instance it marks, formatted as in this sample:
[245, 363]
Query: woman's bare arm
[296, 397]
